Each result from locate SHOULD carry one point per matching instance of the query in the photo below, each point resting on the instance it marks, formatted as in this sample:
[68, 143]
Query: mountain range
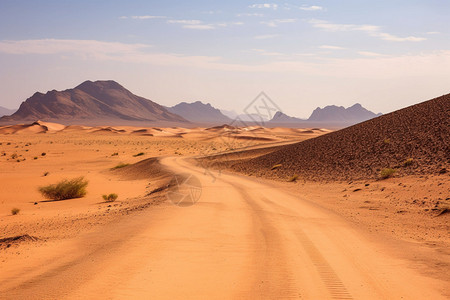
[6, 111]
[108, 102]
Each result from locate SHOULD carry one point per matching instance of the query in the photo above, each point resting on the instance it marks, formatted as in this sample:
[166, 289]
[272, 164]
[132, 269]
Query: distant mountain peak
[199, 112]
[91, 101]
[333, 113]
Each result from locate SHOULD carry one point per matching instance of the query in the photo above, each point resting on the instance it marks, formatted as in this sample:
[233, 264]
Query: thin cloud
[142, 17]
[311, 8]
[197, 24]
[371, 30]
[199, 27]
[433, 64]
[185, 22]
[370, 54]
[265, 36]
[331, 47]
[274, 23]
[250, 15]
[265, 5]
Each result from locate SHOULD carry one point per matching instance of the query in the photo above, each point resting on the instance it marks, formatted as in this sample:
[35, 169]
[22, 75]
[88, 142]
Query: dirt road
[242, 240]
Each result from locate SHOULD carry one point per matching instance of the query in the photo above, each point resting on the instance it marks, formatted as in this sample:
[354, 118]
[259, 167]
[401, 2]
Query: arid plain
[246, 237]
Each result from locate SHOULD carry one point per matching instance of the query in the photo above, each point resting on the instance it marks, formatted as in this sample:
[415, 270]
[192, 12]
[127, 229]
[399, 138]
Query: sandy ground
[244, 238]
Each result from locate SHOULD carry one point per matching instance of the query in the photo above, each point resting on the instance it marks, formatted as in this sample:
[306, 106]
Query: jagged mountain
[91, 101]
[333, 113]
[199, 112]
[280, 117]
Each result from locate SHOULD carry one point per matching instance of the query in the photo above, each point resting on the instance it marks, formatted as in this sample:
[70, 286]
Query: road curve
[243, 239]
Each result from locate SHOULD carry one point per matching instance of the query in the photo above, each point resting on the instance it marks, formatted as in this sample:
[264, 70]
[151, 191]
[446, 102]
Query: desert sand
[247, 237]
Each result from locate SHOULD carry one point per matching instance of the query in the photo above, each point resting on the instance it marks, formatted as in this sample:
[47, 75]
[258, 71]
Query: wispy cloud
[265, 5]
[311, 8]
[433, 32]
[200, 26]
[250, 15]
[192, 24]
[370, 54]
[265, 36]
[185, 22]
[331, 47]
[424, 64]
[197, 24]
[143, 17]
[371, 30]
[274, 23]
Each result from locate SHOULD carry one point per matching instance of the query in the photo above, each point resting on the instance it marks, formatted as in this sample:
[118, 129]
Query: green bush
[110, 197]
[66, 189]
[387, 172]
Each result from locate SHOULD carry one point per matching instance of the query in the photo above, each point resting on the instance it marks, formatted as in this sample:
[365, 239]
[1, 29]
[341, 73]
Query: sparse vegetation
[387, 173]
[276, 166]
[14, 156]
[15, 211]
[139, 154]
[119, 166]
[66, 189]
[293, 178]
[408, 162]
[387, 141]
[46, 173]
[110, 198]
[35, 157]
[115, 154]
[43, 154]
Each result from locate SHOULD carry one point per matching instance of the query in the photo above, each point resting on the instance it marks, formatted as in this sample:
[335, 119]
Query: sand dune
[244, 238]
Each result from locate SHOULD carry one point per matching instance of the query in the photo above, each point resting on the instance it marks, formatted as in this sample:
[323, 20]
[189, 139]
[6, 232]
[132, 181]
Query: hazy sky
[303, 54]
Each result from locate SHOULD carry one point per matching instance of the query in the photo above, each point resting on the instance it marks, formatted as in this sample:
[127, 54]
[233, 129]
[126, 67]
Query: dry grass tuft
[120, 166]
[66, 189]
[293, 178]
[110, 198]
[276, 167]
[387, 173]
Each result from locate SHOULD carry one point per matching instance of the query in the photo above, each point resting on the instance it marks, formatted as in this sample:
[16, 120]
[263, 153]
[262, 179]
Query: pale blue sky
[304, 54]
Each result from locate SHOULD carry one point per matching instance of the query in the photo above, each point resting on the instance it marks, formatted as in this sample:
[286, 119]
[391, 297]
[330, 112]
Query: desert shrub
[115, 154]
[276, 167]
[387, 172]
[43, 154]
[15, 211]
[14, 156]
[35, 157]
[293, 178]
[110, 198]
[387, 141]
[66, 189]
[408, 162]
[46, 173]
[119, 166]
[139, 154]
